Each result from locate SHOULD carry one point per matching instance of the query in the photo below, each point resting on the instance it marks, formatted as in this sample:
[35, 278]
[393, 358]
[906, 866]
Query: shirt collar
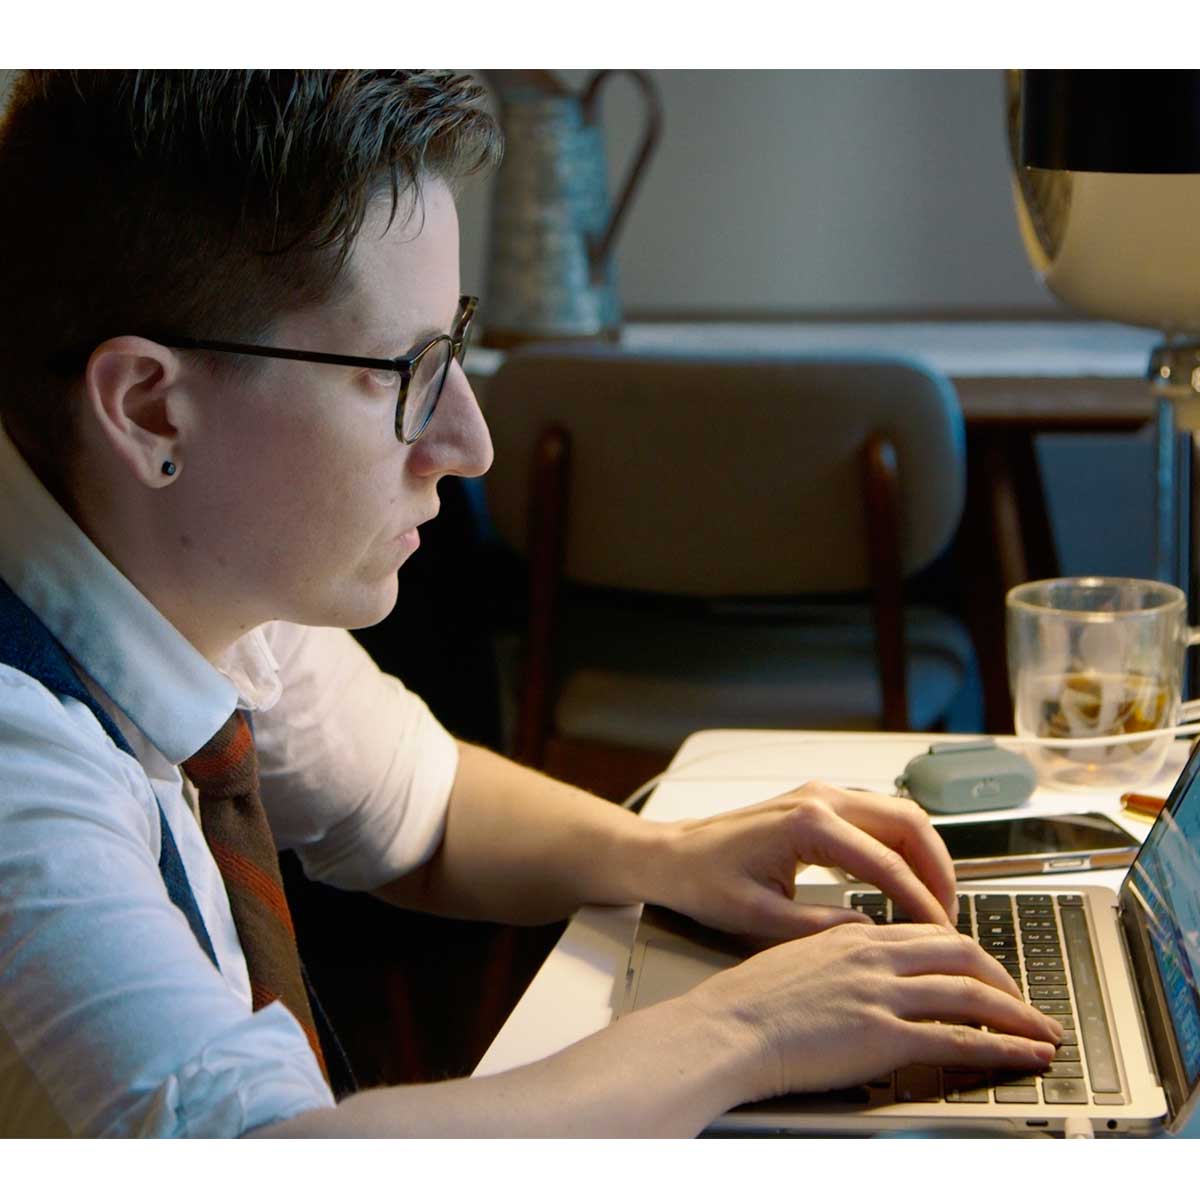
[162, 683]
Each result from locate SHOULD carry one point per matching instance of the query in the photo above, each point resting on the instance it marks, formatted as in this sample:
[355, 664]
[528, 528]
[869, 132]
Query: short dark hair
[205, 203]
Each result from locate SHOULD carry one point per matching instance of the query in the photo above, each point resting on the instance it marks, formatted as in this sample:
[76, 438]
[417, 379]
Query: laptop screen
[1165, 879]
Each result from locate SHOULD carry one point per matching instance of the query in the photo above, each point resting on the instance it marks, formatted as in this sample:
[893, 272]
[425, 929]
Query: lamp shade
[1140, 122]
[1106, 179]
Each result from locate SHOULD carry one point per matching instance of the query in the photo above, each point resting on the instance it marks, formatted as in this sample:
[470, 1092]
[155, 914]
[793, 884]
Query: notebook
[1118, 970]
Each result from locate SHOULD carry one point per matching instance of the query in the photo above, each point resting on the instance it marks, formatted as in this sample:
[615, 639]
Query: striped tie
[225, 772]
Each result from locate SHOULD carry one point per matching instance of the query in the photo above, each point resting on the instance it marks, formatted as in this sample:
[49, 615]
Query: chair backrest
[725, 475]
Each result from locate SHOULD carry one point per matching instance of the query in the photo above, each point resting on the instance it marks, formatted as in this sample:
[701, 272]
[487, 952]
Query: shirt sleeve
[113, 1021]
[355, 770]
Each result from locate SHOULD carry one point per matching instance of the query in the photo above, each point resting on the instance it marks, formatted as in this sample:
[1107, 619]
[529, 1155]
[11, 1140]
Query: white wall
[812, 192]
[809, 192]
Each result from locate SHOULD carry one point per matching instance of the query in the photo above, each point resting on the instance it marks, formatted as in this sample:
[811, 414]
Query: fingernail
[1055, 1028]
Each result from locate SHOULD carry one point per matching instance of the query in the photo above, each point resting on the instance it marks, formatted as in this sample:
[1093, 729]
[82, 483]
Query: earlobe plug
[168, 468]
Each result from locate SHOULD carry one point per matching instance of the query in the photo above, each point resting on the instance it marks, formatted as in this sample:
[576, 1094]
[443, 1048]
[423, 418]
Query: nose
[457, 441]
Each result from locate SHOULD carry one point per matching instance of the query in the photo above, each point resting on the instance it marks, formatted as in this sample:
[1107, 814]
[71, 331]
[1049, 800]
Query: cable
[1078, 1127]
[1064, 744]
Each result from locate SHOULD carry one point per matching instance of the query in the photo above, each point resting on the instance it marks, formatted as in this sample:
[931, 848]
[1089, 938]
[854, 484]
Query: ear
[132, 390]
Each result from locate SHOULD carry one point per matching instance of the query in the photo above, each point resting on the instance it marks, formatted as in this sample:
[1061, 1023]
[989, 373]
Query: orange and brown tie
[225, 772]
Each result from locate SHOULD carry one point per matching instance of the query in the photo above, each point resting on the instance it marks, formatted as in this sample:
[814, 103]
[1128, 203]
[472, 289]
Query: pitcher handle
[600, 249]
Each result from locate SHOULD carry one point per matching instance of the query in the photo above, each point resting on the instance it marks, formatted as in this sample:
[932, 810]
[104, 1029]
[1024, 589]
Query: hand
[856, 1002]
[737, 871]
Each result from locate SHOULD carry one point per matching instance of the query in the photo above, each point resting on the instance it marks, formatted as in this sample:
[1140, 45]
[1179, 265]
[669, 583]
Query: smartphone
[1029, 845]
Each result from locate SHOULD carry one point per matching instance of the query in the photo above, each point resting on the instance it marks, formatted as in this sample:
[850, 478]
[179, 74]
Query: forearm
[524, 848]
[666, 1071]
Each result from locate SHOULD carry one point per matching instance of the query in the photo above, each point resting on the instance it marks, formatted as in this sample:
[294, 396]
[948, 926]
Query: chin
[359, 609]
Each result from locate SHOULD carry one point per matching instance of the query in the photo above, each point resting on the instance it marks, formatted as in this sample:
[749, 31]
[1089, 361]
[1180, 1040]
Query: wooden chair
[723, 542]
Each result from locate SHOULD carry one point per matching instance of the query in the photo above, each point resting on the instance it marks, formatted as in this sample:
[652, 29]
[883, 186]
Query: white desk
[717, 770]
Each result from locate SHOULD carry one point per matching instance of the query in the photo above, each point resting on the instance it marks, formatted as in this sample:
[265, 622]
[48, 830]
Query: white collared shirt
[112, 1018]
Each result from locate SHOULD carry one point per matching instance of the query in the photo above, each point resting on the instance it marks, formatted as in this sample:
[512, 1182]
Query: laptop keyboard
[1043, 942]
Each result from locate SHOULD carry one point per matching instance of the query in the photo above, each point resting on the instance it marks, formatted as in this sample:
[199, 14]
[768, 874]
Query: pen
[1139, 805]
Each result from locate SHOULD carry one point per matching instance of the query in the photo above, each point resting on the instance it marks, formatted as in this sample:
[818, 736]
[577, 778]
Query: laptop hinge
[1152, 1001]
[1127, 955]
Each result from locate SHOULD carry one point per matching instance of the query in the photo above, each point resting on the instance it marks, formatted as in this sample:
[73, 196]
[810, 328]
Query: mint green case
[963, 777]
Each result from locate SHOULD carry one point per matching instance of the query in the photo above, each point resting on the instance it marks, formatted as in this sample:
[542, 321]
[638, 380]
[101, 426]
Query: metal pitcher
[550, 271]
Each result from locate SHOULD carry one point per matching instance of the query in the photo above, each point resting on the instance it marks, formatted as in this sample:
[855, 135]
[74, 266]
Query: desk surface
[1088, 374]
[960, 349]
[717, 770]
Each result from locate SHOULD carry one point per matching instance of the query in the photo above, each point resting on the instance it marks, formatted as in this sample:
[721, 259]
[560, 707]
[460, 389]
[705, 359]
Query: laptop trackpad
[671, 968]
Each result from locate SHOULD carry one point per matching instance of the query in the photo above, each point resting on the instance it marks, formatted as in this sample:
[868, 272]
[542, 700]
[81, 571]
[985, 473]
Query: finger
[945, 953]
[961, 1046]
[826, 838]
[905, 827]
[782, 919]
[961, 999]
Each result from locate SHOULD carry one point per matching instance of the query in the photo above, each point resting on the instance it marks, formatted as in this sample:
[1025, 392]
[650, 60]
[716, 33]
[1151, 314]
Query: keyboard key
[917, 1084]
[998, 943]
[1028, 923]
[1035, 910]
[1093, 1022]
[1067, 1052]
[1071, 901]
[1016, 1095]
[989, 903]
[1042, 898]
[1041, 937]
[1063, 1070]
[1046, 977]
[1043, 964]
[1069, 1038]
[1048, 993]
[1064, 1091]
[1006, 957]
[1040, 951]
[965, 1087]
[1013, 1079]
[1053, 1007]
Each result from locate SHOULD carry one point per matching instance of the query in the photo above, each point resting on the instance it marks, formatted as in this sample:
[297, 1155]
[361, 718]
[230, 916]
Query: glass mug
[1091, 657]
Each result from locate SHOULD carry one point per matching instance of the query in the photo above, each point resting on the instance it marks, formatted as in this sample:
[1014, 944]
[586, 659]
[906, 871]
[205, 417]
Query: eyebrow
[380, 347]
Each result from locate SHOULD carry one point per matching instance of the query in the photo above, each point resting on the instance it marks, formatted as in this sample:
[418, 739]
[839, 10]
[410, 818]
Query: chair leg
[547, 532]
[881, 492]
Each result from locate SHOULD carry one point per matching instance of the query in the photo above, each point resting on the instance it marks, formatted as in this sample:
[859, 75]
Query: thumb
[784, 919]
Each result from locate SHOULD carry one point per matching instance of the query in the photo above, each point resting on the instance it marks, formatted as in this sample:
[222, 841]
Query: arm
[523, 848]
[820, 1012]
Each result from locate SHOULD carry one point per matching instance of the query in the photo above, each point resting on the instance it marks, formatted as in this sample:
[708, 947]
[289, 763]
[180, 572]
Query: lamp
[1106, 178]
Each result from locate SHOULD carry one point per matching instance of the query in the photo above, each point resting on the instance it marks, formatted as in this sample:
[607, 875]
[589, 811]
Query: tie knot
[226, 764]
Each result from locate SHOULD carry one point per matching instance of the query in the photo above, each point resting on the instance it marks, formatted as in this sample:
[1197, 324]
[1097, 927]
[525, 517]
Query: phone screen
[1034, 835]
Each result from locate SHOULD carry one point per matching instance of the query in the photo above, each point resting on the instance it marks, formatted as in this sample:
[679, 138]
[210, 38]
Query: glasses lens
[429, 377]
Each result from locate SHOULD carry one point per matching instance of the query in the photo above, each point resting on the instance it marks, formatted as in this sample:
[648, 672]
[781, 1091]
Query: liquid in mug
[1095, 704]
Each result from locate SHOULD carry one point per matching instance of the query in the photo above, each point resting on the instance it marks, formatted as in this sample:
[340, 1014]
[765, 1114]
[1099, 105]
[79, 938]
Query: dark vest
[27, 645]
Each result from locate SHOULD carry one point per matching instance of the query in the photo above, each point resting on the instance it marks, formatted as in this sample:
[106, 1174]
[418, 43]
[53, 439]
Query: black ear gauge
[168, 468]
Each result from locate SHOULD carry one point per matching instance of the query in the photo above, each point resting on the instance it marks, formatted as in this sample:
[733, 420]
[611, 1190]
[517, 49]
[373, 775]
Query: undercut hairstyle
[197, 203]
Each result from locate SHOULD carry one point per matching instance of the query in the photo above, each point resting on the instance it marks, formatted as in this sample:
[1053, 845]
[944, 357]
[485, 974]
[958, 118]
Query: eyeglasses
[421, 374]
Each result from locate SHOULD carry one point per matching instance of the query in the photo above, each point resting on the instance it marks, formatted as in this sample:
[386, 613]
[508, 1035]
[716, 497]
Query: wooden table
[717, 770]
[1015, 380]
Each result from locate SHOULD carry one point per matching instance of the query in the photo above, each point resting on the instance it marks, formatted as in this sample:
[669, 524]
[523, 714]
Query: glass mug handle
[1189, 710]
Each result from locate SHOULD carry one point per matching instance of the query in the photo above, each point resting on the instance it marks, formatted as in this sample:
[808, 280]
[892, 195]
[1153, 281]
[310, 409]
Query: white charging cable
[1057, 743]
[1078, 1127]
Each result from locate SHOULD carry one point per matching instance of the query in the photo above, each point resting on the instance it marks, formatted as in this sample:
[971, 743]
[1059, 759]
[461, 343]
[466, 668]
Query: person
[232, 380]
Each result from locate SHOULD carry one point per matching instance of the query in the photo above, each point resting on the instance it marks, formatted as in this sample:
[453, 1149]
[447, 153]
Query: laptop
[1118, 970]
